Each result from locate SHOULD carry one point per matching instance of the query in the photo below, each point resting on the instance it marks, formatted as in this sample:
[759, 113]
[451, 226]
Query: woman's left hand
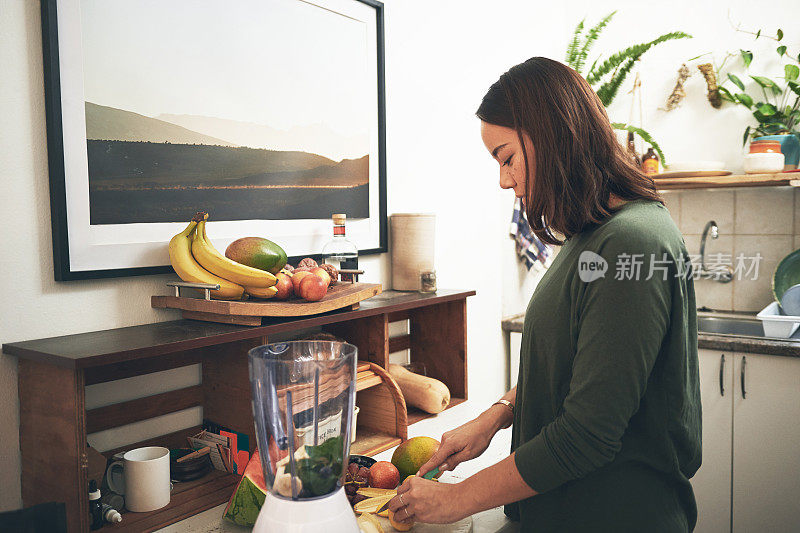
[428, 501]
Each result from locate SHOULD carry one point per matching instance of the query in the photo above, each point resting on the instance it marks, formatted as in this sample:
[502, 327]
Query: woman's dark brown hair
[578, 161]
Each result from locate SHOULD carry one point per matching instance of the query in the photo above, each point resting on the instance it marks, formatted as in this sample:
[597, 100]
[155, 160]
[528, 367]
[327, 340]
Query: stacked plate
[691, 169]
[781, 318]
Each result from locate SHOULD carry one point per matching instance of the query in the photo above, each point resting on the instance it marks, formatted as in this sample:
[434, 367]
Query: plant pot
[790, 147]
[764, 163]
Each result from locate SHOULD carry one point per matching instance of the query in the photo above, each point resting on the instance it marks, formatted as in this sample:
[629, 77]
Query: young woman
[606, 411]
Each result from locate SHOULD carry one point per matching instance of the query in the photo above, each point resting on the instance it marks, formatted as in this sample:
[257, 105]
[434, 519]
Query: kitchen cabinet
[712, 483]
[750, 476]
[766, 444]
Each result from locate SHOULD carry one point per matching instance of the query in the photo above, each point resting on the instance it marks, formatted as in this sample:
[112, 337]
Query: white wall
[440, 59]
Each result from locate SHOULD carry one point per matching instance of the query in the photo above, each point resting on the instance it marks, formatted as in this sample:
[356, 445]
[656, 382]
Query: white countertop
[491, 521]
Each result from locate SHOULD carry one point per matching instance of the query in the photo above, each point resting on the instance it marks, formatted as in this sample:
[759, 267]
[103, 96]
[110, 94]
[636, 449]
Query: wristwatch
[503, 401]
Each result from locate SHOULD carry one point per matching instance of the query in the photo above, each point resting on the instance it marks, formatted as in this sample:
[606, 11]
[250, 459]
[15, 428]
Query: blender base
[332, 514]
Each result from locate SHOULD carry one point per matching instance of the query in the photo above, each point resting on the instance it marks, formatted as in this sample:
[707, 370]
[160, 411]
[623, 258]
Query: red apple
[285, 286]
[321, 272]
[297, 277]
[313, 288]
[384, 475]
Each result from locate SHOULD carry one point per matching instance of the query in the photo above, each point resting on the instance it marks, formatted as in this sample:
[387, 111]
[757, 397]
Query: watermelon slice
[247, 499]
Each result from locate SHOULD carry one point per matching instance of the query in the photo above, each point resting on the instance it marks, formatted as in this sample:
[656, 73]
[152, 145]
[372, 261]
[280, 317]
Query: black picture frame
[55, 151]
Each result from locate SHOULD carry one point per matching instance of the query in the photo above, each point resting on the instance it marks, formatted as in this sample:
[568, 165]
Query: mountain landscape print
[162, 172]
[176, 124]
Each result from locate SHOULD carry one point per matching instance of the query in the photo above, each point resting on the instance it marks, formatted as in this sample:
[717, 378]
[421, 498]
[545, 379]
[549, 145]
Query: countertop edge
[764, 346]
[706, 341]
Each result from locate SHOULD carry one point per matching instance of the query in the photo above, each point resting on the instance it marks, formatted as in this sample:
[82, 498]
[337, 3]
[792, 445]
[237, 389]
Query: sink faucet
[720, 273]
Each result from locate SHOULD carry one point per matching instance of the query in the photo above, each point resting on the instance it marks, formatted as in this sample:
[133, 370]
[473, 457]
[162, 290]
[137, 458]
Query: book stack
[230, 450]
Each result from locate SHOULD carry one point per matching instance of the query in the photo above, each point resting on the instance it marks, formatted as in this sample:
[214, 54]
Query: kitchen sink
[737, 326]
[727, 325]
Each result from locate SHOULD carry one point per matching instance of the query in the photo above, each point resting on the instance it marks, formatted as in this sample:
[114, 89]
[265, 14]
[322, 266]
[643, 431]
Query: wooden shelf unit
[736, 180]
[53, 374]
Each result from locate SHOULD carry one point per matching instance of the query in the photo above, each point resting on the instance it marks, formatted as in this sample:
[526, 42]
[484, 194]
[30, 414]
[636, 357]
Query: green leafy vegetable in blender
[321, 471]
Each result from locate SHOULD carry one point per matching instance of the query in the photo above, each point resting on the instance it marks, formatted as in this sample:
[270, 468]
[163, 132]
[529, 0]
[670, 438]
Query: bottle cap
[94, 492]
[113, 516]
[339, 218]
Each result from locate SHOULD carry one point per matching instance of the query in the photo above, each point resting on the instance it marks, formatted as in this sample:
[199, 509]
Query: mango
[257, 252]
[397, 525]
[412, 454]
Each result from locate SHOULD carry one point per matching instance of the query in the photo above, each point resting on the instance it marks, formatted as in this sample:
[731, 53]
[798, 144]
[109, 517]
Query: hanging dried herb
[711, 82]
[677, 94]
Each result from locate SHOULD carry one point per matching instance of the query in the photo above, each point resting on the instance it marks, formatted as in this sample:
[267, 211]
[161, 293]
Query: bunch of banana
[180, 255]
[262, 292]
[195, 259]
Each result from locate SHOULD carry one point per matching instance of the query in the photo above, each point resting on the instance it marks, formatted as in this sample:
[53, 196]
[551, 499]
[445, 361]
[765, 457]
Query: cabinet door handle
[721, 376]
[744, 365]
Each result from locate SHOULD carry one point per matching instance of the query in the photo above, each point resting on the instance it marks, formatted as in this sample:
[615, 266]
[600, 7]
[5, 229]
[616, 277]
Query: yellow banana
[261, 292]
[180, 255]
[213, 261]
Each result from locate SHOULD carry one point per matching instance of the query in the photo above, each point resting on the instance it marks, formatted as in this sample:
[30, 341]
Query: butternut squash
[430, 395]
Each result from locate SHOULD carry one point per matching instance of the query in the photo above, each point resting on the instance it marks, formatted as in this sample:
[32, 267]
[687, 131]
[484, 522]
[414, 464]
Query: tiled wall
[750, 220]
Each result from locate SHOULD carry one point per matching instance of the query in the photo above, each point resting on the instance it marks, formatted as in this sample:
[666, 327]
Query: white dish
[790, 301]
[683, 166]
[693, 173]
[764, 163]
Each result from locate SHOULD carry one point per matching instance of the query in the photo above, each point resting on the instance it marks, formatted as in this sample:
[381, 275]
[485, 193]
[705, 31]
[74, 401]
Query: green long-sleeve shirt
[607, 422]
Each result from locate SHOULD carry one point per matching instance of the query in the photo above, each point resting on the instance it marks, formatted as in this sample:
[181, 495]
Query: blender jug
[303, 397]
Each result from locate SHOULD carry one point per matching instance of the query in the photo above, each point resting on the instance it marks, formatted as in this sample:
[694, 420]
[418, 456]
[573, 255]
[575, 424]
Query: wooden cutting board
[250, 312]
[462, 526]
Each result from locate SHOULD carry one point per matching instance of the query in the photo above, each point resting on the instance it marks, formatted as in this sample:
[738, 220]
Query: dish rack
[776, 323]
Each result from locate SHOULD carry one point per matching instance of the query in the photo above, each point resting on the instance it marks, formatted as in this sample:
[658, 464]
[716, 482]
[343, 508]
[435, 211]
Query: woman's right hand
[463, 443]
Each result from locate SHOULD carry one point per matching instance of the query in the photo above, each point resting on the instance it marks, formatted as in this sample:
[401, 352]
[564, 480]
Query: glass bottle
[95, 507]
[650, 162]
[339, 251]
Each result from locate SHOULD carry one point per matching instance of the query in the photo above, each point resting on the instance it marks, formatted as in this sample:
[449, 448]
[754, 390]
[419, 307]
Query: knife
[428, 476]
[432, 473]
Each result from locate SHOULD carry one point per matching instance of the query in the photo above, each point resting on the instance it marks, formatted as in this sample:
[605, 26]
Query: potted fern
[606, 77]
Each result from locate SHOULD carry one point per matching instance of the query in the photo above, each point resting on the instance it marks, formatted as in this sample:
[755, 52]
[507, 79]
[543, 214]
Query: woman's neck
[615, 201]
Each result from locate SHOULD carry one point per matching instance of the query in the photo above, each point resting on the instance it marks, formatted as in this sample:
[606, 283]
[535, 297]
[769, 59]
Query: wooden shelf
[369, 441]
[54, 373]
[164, 339]
[736, 180]
[187, 499]
[415, 415]
[366, 378]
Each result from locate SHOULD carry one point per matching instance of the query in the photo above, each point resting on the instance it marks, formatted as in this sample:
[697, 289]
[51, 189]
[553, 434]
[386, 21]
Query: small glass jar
[427, 281]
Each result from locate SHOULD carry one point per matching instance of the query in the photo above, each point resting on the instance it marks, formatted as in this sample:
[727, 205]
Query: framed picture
[267, 114]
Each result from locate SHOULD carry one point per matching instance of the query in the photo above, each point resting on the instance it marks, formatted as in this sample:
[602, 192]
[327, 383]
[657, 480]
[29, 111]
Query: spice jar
[427, 281]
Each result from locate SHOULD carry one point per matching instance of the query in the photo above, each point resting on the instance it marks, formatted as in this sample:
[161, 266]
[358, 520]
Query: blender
[303, 398]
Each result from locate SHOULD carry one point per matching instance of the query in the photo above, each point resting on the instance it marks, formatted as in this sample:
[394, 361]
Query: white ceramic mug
[146, 484]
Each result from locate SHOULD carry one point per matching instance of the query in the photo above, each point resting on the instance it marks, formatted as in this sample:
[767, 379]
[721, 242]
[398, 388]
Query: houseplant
[775, 106]
[607, 77]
